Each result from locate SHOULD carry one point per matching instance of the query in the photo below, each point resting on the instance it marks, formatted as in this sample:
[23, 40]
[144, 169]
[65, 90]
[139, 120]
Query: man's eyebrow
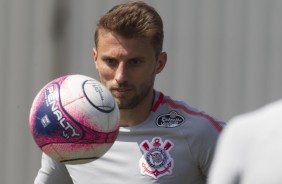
[105, 57]
[137, 58]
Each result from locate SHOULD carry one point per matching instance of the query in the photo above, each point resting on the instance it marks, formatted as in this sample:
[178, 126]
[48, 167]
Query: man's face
[127, 67]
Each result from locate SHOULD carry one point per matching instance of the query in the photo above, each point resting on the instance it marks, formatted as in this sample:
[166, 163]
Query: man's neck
[135, 116]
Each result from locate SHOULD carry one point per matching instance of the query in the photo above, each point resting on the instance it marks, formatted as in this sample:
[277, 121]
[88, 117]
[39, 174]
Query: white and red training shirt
[175, 144]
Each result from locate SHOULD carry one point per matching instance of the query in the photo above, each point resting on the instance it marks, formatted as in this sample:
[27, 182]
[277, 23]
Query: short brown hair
[133, 20]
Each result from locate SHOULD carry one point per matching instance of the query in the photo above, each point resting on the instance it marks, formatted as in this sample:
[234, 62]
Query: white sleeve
[229, 155]
[52, 172]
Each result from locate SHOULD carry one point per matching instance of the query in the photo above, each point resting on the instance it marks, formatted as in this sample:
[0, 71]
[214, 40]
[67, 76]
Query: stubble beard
[134, 101]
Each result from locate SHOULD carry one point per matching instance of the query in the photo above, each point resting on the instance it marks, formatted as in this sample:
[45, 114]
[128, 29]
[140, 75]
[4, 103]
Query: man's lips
[120, 91]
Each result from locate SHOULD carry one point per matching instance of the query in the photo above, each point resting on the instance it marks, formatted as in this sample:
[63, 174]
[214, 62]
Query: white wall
[224, 57]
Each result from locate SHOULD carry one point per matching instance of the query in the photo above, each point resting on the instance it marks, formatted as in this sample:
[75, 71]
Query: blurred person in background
[249, 149]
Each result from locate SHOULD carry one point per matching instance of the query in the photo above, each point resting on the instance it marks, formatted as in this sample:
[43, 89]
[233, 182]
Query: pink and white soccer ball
[74, 119]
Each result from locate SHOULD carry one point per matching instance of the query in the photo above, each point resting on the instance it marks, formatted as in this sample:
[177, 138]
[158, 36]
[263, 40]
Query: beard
[136, 97]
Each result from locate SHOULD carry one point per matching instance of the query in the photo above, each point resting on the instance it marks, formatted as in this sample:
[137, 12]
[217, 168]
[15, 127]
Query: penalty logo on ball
[52, 101]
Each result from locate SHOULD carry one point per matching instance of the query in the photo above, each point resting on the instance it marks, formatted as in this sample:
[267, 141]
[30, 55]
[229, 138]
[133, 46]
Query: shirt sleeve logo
[170, 120]
[156, 160]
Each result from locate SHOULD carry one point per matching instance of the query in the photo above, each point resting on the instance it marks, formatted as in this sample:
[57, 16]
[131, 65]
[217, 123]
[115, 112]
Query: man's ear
[95, 55]
[161, 62]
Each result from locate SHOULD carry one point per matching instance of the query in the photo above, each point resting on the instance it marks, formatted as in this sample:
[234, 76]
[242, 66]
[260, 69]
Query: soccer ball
[74, 119]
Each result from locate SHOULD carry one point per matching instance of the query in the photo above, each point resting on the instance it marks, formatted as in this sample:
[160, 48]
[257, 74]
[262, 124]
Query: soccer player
[250, 149]
[161, 140]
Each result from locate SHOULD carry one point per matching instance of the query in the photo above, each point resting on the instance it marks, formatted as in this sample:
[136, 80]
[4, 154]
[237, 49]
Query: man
[161, 140]
[249, 149]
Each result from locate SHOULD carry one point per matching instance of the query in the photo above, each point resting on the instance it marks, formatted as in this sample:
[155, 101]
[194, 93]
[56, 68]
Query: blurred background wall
[224, 56]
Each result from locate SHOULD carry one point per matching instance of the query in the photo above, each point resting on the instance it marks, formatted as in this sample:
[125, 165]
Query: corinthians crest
[156, 160]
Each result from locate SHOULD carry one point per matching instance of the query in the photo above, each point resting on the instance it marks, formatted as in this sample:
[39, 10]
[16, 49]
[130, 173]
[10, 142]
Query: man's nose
[121, 74]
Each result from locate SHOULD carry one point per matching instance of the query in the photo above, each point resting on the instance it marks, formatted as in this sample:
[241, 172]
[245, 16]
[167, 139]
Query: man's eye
[135, 62]
[110, 62]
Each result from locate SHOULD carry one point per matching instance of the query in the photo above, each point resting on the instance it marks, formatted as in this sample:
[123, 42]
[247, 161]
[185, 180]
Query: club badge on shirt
[156, 160]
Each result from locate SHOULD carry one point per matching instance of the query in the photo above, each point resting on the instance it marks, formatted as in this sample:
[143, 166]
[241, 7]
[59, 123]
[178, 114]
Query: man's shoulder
[191, 116]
